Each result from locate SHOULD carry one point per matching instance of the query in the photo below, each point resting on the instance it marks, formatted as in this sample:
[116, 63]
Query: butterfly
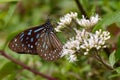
[40, 40]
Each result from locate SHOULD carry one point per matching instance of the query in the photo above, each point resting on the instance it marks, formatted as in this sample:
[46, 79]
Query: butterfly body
[39, 40]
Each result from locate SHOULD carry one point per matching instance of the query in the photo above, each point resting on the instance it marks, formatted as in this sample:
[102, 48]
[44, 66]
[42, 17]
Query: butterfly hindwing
[49, 47]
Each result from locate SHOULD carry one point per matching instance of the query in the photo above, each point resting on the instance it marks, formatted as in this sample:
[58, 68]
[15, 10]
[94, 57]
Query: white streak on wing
[22, 34]
[37, 36]
[38, 29]
[30, 31]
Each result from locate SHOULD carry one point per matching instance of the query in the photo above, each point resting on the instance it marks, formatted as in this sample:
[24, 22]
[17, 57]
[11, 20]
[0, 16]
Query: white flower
[72, 58]
[57, 29]
[70, 48]
[76, 44]
[73, 15]
[66, 20]
[102, 37]
[96, 40]
[94, 19]
[87, 44]
[72, 43]
[88, 23]
[67, 52]
[81, 35]
[85, 53]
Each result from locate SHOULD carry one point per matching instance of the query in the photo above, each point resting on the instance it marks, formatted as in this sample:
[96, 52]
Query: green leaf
[117, 54]
[108, 20]
[9, 15]
[2, 1]
[117, 70]
[10, 76]
[7, 68]
[112, 58]
[117, 74]
[8, 39]
[113, 76]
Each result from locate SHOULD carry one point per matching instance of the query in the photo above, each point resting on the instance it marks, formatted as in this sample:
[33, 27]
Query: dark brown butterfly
[40, 40]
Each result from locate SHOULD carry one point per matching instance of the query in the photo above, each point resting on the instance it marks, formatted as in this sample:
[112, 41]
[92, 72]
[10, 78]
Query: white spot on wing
[27, 38]
[36, 43]
[31, 46]
[15, 40]
[22, 45]
[28, 45]
[45, 54]
[12, 46]
[41, 50]
[16, 44]
[53, 56]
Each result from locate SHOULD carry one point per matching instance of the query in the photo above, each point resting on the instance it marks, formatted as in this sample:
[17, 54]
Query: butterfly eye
[40, 40]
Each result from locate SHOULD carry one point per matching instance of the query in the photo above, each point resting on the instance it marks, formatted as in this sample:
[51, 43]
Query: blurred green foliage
[18, 15]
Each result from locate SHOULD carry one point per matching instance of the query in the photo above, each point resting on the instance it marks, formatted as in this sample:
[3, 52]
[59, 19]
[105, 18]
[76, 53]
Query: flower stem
[98, 57]
[80, 7]
[25, 66]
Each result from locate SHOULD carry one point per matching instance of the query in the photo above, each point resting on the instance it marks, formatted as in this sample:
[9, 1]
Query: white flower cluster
[70, 48]
[86, 41]
[67, 19]
[88, 23]
[96, 40]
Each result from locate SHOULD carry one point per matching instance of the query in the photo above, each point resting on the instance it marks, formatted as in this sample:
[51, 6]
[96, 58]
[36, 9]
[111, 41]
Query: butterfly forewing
[26, 41]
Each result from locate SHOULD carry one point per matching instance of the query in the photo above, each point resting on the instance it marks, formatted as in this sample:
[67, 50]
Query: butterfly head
[49, 26]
